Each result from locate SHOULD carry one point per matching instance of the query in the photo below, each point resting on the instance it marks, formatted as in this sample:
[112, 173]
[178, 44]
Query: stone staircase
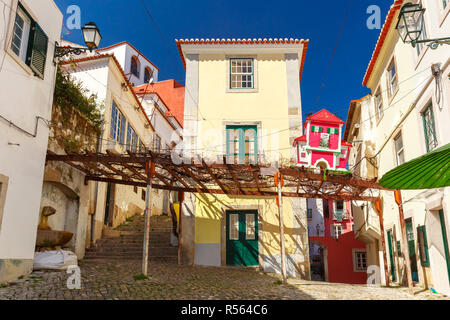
[129, 243]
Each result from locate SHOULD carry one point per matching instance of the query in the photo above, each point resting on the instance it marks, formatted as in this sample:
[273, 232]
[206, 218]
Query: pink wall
[314, 138]
[340, 258]
[316, 155]
[340, 251]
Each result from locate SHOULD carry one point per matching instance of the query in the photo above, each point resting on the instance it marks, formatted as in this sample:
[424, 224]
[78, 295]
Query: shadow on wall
[296, 246]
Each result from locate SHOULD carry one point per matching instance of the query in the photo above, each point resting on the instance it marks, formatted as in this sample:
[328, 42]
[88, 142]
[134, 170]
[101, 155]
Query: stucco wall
[209, 100]
[23, 156]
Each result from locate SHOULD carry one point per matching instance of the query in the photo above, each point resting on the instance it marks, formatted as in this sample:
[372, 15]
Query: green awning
[426, 172]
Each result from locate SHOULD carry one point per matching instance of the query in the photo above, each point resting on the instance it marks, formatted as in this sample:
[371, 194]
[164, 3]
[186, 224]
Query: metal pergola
[160, 171]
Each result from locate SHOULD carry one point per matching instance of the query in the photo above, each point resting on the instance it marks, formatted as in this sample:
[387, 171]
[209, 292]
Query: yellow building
[243, 101]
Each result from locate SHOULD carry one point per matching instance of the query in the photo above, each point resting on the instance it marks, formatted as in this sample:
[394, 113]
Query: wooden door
[242, 238]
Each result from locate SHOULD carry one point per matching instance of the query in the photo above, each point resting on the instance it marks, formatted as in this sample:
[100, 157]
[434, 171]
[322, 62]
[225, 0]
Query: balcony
[339, 215]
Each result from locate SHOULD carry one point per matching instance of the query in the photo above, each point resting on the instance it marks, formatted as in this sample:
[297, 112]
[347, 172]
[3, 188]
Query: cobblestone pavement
[115, 280]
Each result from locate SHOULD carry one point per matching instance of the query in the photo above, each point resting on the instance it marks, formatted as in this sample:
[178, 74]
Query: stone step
[133, 250]
[152, 253]
[171, 260]
[141, 229]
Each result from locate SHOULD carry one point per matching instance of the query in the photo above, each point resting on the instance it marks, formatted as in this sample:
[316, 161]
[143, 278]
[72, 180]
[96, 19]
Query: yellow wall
[209, 212]
[268, 105]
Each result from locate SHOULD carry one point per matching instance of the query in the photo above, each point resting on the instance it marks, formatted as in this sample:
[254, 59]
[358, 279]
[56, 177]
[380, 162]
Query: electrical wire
[334, 51]
[390, 106]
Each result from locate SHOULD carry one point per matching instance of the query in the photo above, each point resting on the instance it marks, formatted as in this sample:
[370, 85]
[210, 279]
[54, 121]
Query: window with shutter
[38, 46]
[429, 128]
[423, 246]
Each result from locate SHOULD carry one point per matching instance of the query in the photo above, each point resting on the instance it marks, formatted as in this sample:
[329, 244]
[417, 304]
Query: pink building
[335, 254]
[321, 145]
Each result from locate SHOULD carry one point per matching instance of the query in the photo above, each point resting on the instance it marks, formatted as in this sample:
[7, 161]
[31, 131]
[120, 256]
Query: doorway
[411, 249]
[317, 260]
[242, 238]
[445, 240]
[391, 256]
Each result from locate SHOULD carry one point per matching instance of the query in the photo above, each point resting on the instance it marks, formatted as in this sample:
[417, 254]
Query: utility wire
[334, 51]
[373, 157]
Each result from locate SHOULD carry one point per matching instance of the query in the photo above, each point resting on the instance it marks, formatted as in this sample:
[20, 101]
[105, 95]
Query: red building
[335, 254]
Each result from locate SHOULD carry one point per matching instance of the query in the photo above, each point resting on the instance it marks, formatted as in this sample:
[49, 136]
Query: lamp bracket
[433, 43]
[62, 51]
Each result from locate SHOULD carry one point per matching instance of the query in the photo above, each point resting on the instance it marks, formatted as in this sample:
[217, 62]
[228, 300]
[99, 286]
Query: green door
[445, 239]
[242, 238]
[391, 256]
[412, 249]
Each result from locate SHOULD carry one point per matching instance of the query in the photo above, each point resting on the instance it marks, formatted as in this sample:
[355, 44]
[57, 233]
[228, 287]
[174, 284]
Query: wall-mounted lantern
[92, 38]
[411, 24]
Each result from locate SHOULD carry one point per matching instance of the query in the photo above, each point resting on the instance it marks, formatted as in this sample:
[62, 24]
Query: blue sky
[319, 21]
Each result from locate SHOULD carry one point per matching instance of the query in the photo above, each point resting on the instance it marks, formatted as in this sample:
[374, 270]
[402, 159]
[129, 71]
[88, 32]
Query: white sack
[54, 260]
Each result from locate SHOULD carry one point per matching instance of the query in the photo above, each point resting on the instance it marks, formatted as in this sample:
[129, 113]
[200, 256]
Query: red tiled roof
[345, 144]
[101, 56]
[396, 6]
[351, 111]
[245, 41]
[324, 116]
[171, 93]
[126, 42]
[302, 138]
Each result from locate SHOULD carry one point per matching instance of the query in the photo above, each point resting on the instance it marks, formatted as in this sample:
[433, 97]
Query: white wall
[104, 78]
[124, 53]
[416, 89]
[23, 97]
[317, 218]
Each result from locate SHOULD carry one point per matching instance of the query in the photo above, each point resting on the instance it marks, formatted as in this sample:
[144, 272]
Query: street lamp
[92, 38]
[410, 26]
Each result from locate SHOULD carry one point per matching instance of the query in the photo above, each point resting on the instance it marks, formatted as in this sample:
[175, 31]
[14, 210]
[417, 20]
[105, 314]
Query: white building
[137, 67]
[168, 130]
[405, 117]
[126, 128]
[27, 77]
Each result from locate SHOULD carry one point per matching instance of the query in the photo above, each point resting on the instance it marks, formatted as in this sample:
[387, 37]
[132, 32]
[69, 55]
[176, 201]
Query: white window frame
[228, 86]
[356, 258]
[157, 146]
[249, 63]
[118, 125]
[379, 107]
[132, 138]
[343, 209]
[24, 37]
[234, 226]
[336, 227]
[392, 79]
[402, 149]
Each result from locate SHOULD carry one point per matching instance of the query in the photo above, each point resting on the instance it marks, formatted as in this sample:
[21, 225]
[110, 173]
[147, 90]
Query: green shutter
[328, 130]
[424, 255]
[37, 49]
[313, 129]
[336, 131]
[320, 129]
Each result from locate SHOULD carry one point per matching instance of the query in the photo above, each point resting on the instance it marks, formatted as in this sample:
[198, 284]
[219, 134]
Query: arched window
[148, 74]
[135, 66]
